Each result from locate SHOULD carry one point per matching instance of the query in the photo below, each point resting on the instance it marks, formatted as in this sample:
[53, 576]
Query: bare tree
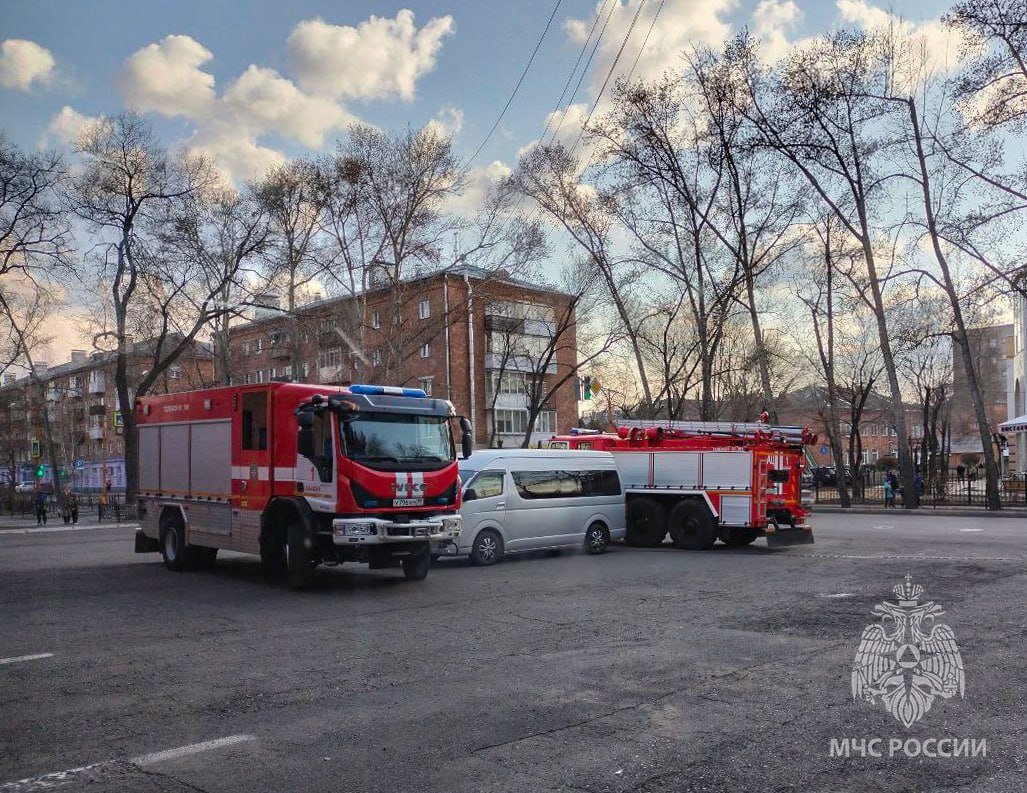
[131, 193]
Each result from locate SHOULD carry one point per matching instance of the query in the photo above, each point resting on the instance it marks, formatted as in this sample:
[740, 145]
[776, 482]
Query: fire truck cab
[300, 474]
[704, 481]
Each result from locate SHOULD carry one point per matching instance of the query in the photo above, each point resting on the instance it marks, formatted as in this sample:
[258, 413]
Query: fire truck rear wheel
[691, 526]
[298, 556]
[172, 545]
[416, 567]
[647, 523]
[739, 537]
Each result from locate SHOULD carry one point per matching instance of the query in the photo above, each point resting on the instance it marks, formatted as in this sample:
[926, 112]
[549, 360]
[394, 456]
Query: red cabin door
[252, 473]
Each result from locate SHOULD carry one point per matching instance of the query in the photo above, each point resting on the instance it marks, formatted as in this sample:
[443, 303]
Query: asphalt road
[640, 670]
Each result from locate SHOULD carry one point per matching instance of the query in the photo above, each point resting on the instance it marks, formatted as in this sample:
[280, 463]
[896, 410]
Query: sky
[250, 83]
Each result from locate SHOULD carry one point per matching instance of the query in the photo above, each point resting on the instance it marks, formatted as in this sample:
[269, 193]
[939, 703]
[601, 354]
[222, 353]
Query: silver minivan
[517, 500]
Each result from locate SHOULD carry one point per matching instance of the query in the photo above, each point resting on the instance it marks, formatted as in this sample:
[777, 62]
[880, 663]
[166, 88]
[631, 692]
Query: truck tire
[272, 552]
[647, 523]
[691, 526]
[298, 555]
[416, 567]
[175, 552]
[487, 548]
[597, 539]
[737, 537]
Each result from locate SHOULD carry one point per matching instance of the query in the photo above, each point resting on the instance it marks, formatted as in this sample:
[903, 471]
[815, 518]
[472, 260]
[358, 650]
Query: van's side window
[488, 484]
[566, 484]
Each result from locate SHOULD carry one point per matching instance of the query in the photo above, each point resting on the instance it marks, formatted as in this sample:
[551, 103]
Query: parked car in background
[517, 500]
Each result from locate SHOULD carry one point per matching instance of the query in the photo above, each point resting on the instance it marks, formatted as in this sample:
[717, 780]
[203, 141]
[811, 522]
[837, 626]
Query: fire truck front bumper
[375, 531]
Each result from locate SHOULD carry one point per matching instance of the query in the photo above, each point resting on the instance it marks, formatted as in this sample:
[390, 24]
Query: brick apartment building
[480, 339]
[82, 404]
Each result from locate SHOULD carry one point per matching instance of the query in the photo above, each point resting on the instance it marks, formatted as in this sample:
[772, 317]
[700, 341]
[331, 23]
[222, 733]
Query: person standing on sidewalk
[40, 508]
[889, 494]
[101, 503]
[73, 506]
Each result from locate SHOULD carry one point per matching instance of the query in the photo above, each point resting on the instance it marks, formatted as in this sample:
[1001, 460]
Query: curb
[941, 512]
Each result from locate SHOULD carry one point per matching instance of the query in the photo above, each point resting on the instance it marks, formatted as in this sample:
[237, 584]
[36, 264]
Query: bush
[970, 459]
[886, 462]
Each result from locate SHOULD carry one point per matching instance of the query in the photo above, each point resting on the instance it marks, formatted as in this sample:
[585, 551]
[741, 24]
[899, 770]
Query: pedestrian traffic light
[587, 384]
[39, 472]
[35, 449]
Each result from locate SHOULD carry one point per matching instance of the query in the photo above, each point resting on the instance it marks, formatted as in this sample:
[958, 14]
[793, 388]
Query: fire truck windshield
[388, 439]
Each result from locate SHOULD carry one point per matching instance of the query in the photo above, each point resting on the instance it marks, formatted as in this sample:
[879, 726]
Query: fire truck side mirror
[466, 438]
[305, 434]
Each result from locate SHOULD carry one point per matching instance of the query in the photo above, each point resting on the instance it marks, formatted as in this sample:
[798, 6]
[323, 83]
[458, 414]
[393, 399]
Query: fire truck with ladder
[703, 481]
[300, 474]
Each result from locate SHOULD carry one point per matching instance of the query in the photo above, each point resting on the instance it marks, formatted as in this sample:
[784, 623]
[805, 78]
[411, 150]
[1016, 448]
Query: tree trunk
[960, 337]
[761, 351]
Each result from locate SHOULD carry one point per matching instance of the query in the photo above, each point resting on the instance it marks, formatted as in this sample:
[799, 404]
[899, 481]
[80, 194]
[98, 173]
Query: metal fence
[949, 491]
[24, 505]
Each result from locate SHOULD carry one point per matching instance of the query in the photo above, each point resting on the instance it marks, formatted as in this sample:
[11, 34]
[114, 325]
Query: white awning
[1019, 424]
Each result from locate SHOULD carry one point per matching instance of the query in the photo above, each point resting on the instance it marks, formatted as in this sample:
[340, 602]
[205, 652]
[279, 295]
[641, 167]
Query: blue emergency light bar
[369, 390]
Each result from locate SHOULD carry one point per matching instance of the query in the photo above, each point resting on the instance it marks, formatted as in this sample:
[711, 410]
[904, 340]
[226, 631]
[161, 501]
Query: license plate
[408, 502]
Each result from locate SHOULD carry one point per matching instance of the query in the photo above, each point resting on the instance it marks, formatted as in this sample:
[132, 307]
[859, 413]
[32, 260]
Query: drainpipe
[470, 356]
[445, 313]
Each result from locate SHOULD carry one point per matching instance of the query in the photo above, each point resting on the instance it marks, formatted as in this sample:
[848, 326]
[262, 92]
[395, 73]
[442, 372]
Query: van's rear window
[566, 484]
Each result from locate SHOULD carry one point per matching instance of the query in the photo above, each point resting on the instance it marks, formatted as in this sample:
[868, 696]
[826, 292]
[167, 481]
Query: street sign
[35, 449]
[824, 450]
[119, 420]
[80, 464]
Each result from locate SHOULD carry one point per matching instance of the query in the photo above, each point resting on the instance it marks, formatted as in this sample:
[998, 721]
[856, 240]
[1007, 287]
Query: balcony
[97, 382]
[515, 363]
[497, 322]
[281, 350]
[96, 432]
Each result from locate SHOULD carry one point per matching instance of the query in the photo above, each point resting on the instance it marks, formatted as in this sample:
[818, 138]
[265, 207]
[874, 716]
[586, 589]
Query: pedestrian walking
[65, 510]
[73, 506]
[960, 472]
[101, 505]
[40, 508]
[918, 485]
[889, 494]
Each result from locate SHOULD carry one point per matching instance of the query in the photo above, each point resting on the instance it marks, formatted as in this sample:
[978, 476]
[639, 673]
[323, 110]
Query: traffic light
[587, 385]
[39, 472]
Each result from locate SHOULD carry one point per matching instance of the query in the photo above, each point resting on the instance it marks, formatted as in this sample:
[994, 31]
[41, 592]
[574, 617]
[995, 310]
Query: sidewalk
[924, 511]
[28, 523]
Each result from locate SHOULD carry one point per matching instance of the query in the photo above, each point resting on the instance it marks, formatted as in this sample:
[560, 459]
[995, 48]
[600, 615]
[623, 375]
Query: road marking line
[19, 658]
[971, 529]
[905, 557]
[56, 529]
[193, 748]
[49, 781]
[59, 778]
[839, 595]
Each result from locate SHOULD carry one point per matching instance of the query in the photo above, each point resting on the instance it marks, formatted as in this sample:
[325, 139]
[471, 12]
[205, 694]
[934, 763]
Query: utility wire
[517, 87]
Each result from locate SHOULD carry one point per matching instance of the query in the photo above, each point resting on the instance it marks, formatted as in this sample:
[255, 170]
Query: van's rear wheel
[416, 567]
[172, 544]
[597, 538]
[487, 548]
[691, 526]
[647, 523]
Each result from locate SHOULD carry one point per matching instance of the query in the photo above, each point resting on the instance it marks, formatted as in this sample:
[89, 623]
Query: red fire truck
[707, 480]
[300, 474]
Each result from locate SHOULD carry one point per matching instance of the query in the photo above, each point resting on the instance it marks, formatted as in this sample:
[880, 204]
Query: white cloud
[236, 153]
[681, 24]
[479, 183]
[772, 21]
[447, 122]
[926, 48]
[167, 78]
[262, 100]
[378, 58]
[65, 127]
[23, 63]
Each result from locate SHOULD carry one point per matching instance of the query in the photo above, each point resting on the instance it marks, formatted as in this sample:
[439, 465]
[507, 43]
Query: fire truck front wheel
[416, 567]
[691, 526]
[299, 557]
[647, 523]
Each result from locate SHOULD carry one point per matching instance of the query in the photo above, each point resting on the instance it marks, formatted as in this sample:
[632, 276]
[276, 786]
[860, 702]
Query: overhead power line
[517, 87]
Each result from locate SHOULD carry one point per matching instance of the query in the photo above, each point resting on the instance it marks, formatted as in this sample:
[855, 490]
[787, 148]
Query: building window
[259, 344]
[376, 357]
[424, 309]
[426, 384]
[330, 358]
[426, 350]
[247, 378]
[376, 320]
[515, 422]
[175, 373]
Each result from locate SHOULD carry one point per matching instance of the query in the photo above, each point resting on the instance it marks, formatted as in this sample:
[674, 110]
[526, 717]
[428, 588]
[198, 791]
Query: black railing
[953, 490]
